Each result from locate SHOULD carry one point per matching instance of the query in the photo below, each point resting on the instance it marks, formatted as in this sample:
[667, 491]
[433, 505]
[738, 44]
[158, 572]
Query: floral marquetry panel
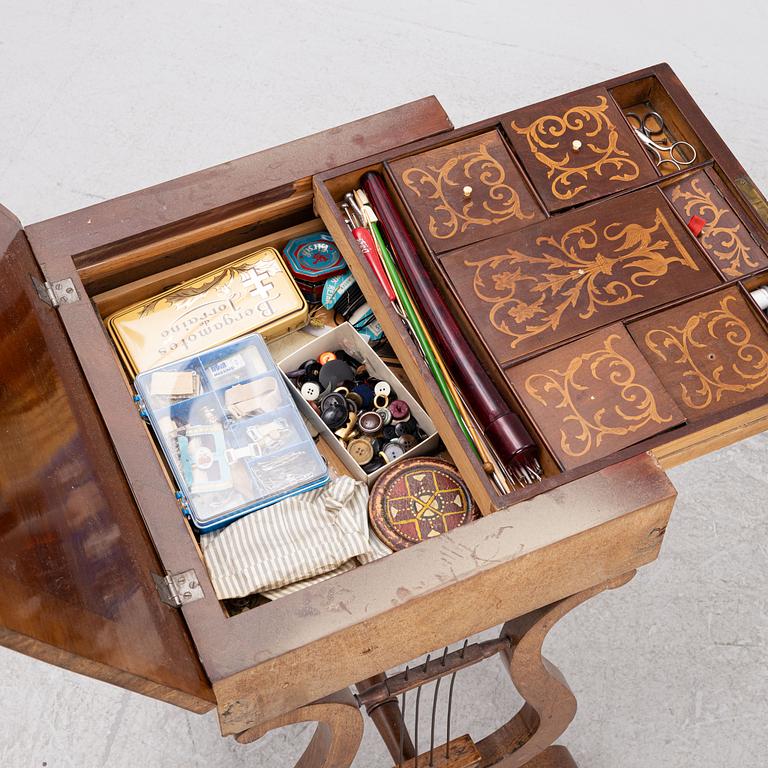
[578, 148]
[594, 396]
[576, 272]
[711, 353]
[466, 191]
[724, 236]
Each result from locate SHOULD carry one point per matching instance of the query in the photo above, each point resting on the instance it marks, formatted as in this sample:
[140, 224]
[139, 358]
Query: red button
[696, 224]
[399, 410]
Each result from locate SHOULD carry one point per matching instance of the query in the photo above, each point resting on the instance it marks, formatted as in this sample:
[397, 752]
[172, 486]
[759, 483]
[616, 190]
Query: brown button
[361, 450]
[370, 422]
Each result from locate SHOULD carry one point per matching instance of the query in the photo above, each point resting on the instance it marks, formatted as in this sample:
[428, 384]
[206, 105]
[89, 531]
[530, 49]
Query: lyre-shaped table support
[525, 740]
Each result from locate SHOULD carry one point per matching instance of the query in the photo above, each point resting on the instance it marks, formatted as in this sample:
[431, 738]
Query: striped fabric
[297, 586]
[295, 540]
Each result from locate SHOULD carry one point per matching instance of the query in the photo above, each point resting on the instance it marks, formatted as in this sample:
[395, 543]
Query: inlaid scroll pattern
[607, 371]
[573, 277]
[438, 184]
[721, 232]
[704, 378]
[569, 176]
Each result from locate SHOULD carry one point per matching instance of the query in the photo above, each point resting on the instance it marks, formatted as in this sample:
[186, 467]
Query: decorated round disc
[417, 499]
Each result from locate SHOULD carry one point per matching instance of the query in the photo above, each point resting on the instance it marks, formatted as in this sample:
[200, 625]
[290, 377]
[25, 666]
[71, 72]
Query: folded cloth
[296, 539]
[297, 586]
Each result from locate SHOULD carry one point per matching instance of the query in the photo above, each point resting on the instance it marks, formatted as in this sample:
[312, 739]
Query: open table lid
[76, 586]
[78, 564]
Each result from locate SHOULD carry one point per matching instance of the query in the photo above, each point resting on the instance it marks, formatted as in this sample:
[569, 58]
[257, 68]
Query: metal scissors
[680, 154]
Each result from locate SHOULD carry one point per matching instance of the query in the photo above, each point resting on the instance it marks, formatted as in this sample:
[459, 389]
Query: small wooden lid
[417, 499]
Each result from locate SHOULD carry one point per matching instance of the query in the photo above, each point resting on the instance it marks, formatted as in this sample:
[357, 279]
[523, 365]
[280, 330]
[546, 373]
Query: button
[310, 390]
[361, 450]
[370, 422]
[365, 393]
[311, 369]
[393, 451]
[346, 432]
[334, 373]
[380, 401]
[334, 417]
[334, 400]
[408, 441]
[326, 357]
[386, 415]
[382, 388]
[399, 410]
[408, 427]
[389, 432]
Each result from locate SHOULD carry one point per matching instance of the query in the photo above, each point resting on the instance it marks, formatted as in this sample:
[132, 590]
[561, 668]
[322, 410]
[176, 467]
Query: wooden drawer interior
[684, 437]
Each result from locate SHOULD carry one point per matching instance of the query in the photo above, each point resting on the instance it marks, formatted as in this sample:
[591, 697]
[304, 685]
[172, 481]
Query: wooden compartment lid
[466, 191]
[577, 148]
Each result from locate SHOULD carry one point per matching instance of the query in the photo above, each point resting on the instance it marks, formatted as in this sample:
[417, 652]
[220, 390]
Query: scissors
[680, 154]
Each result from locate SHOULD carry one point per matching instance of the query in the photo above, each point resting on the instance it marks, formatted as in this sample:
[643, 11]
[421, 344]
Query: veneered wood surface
[224, 197]
[594, 396]
[466, 191]
[711, 354]
[725, 238]
[575, 272]
[549, 702]
[337, 736]
[608, 160]
[76, 588]
[425, 597]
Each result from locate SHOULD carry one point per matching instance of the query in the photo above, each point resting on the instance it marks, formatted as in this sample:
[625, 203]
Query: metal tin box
[254, 293]
[313, 259]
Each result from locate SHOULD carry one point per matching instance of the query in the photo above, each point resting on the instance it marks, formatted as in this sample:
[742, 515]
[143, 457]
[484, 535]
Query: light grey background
[101, 98]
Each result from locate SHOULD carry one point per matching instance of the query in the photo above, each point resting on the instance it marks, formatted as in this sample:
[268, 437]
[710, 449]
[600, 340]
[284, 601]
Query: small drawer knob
[467, 191]
[576, 144]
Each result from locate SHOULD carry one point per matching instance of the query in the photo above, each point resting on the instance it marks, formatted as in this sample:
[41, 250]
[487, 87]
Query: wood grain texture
[422, 598]
[458, 753]
[337, 736]
[576, 272]
[225, 196]
[711, 354]
[75, 574]
[467, 191]
[554, 757]
[550, 705]
[725, 238]
[594, 396]
[605, 159]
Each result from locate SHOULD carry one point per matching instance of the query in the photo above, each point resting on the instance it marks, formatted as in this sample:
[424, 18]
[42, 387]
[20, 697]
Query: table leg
[549, 703]
[336, 738]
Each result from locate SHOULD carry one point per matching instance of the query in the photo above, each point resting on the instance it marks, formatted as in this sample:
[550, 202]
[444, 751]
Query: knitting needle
[455, 402]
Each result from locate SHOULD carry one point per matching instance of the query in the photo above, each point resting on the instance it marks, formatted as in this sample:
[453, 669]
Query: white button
[310, 390]
[382, 388]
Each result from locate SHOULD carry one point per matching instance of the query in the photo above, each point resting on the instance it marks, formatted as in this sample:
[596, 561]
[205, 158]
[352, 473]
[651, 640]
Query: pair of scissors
[679, 154]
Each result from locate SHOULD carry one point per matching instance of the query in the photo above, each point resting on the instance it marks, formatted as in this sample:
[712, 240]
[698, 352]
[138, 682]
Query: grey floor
[100, 98]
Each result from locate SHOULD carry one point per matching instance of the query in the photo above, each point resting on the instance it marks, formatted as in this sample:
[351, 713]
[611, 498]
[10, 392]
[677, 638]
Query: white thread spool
[760, 295]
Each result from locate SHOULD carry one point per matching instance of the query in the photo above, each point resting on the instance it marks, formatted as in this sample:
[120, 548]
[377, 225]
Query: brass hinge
[177, 589]
[58, 292]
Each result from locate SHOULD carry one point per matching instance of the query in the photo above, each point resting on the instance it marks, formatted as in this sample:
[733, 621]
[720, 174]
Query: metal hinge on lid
[177, 589]
[58, 292]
